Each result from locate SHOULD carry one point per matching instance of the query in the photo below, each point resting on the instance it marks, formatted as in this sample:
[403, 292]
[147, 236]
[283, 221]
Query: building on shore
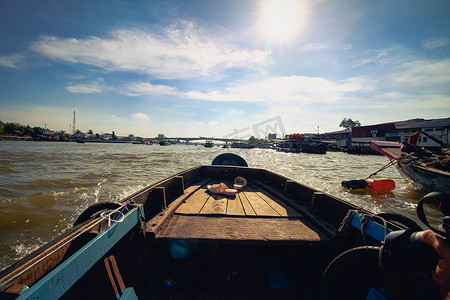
[341, 138]
[432, 130]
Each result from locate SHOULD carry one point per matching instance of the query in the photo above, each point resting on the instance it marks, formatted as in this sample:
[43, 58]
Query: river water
[44, 186]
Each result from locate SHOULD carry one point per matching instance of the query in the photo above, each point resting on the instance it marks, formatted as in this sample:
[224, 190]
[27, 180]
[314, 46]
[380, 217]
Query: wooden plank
[230, 229]
[260, 206]
[195, 203]
[234, 206]
[331, 232]
[216, 204]
[248, 209]
[156, 223]
[280, 206]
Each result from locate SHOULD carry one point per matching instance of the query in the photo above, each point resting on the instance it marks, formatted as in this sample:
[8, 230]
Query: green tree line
[26, 130]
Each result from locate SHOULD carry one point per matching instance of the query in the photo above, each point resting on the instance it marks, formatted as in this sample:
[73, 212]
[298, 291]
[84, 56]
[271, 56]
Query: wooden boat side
[32, 267]
[319, 214]
[425, 178]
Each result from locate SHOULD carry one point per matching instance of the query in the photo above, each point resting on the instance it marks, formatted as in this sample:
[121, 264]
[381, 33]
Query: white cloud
[11, 61]
[140, 116]
[315, 46]
[179, 51]
[284, 89]
[371, 57]
[435, 42]
[89, 88]
[423, 73]
[146, 88]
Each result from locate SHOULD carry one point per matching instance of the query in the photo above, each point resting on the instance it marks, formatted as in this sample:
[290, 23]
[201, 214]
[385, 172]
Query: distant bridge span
[190, 139]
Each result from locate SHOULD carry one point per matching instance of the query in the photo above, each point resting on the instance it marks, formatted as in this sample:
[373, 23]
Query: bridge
[190, 139]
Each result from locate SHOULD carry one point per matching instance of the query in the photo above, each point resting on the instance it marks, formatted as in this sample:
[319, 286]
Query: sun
[281, 16]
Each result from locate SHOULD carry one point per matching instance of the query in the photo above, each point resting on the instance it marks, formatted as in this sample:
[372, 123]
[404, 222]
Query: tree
[63, 136]
[28, 130]
[36, 132]
[253, 140]
[349, 123]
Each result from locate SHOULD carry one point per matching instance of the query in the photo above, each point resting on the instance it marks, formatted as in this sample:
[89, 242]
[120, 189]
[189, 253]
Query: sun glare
[281, 16]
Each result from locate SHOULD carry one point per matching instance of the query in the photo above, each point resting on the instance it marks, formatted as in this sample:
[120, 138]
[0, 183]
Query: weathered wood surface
[251, 201]
[241, 229]
[394, 152]
[156, 223]
[253, 215]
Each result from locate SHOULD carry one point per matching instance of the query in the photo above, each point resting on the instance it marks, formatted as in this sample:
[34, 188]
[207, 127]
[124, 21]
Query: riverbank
[9, 137]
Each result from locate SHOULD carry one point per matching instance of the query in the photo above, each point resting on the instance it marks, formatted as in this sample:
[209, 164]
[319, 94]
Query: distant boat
[304, 145]
[361, 149]
[164, 143]
[419, 171]
[208, 144]
[80, 141]
[265, 145]
[242, 145]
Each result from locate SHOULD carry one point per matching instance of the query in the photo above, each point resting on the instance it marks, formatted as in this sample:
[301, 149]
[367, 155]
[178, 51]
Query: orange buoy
[380, 184]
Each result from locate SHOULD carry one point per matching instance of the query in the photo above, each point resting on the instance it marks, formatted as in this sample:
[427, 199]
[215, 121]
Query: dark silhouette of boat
[416, 165]
[208, 144]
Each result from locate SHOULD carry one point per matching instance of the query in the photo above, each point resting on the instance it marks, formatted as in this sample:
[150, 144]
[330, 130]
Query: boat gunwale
[271, 179]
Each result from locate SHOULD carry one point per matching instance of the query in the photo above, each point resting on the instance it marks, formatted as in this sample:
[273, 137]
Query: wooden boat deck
[252, 215]
[390, 149]
[273, 240]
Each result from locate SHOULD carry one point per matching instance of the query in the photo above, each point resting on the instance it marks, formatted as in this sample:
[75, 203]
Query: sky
[214, 68]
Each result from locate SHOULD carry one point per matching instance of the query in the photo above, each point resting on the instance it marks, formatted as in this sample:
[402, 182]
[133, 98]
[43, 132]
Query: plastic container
[354, 184]
[380, 184]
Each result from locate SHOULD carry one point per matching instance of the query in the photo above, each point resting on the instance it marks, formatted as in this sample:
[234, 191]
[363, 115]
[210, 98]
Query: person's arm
[442, 274]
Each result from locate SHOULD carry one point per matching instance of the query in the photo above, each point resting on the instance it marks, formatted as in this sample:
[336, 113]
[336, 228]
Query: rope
[52, 252]
[389, 164]
[365, 220]
[121, 211]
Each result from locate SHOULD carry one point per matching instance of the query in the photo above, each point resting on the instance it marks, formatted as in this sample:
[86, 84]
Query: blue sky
[191, 68]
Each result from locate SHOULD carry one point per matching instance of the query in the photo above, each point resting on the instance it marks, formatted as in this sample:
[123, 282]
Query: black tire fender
[352, 274]
[229, 159]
